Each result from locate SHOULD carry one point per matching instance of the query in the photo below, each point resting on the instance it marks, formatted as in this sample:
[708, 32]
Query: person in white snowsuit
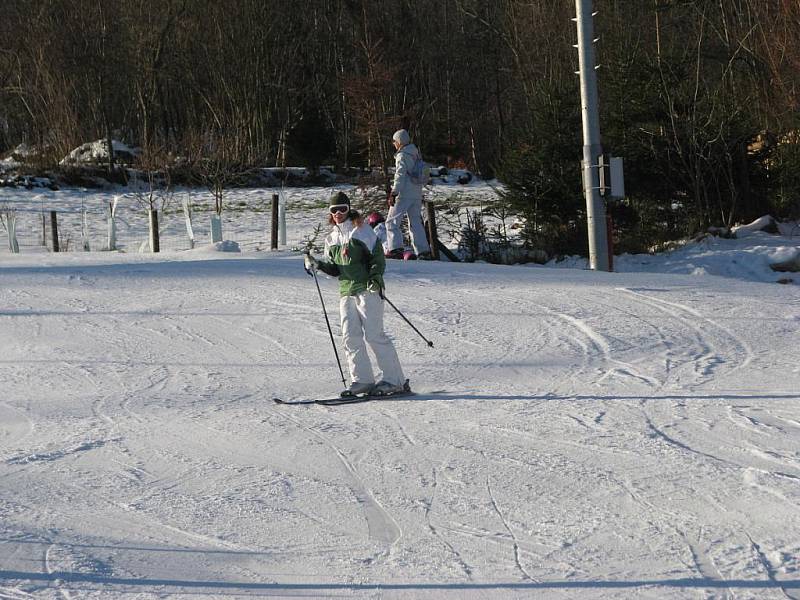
[405, 199]
[353, 253]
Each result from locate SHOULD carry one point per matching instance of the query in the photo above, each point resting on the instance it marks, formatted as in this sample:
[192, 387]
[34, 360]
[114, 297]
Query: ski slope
[575, 434]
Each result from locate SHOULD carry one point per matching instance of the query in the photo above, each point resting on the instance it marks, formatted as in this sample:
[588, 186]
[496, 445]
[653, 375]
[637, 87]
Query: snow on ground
[748, 258]
[574, 435]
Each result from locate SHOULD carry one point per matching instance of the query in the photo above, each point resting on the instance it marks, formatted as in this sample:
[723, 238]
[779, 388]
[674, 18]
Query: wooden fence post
[433, 235]
[274, 240]
[54, 230]
[154, 239]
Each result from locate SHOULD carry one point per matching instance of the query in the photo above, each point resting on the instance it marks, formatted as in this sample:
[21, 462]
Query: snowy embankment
[575, 434]
[751, 255]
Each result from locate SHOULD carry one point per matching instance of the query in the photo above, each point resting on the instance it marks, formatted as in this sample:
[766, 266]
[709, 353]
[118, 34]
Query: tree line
[700, 97]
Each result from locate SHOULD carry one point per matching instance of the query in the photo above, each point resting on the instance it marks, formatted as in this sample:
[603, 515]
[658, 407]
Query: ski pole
[427, 341]
[328, 323]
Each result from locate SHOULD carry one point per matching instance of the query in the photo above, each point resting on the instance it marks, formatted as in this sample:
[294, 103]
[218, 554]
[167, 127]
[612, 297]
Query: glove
[310, 263]
[374, 285]
[391, 199]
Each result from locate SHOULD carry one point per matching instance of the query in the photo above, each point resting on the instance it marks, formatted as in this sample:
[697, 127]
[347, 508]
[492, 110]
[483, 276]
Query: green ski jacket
[355, 256]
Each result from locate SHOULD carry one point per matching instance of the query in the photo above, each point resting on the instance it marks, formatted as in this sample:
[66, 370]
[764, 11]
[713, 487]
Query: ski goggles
[339, 208]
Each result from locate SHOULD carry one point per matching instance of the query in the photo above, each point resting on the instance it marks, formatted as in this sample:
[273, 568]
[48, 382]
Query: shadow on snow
[65, 577]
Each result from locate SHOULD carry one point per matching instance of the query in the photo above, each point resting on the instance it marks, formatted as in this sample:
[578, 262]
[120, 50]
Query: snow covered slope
[575, 434]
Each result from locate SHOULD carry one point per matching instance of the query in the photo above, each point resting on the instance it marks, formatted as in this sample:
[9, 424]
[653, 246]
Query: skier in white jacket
[354, 254]
[406, 199]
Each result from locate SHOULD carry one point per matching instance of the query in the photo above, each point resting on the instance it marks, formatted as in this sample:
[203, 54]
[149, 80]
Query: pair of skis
[354, 399]
[347, 397]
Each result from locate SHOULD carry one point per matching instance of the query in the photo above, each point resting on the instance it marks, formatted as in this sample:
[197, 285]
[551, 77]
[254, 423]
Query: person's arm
[401, 169]
[327, 266]
[376, 267]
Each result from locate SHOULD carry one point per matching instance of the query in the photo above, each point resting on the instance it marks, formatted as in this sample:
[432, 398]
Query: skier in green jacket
[354, 253]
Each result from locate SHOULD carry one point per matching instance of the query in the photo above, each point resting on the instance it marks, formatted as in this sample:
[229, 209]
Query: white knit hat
[401, 136]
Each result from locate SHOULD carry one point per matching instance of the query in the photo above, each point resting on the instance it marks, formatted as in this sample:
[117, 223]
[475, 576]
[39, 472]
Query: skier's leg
[370, 305]
[416, 228]
[353, 336]
[394, 235]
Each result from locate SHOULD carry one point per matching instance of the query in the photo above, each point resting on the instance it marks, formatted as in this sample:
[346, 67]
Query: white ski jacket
[403, 185]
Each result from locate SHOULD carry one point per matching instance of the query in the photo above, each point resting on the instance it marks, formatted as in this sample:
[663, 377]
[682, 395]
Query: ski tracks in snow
[382, 527]
[769, 569]
[718, 346]
[50, 570]
[604, 349]
[702, 561]
[731, 558]
[7, 593]
[428, 504]
[695, 350]
[594, 346]
[517, 552]
[15, 427]
[172, 433]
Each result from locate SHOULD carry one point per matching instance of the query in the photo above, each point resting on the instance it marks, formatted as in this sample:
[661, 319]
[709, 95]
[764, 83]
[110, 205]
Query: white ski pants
[410, 206]
[362, 326]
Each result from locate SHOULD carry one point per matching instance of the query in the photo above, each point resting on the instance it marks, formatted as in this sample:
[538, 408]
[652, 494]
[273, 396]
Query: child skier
[378, 224]
[354, 254]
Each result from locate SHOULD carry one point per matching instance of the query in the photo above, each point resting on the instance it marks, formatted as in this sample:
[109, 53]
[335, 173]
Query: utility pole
[592, 149]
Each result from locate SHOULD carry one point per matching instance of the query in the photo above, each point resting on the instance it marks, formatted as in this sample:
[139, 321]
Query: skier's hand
[374, 285]
[310, 263]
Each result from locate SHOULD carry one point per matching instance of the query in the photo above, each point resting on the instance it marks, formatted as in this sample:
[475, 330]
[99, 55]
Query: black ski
[344, 399]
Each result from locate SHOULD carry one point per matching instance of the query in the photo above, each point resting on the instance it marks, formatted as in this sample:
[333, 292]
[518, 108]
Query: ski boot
[384, 388]
[358, 388]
